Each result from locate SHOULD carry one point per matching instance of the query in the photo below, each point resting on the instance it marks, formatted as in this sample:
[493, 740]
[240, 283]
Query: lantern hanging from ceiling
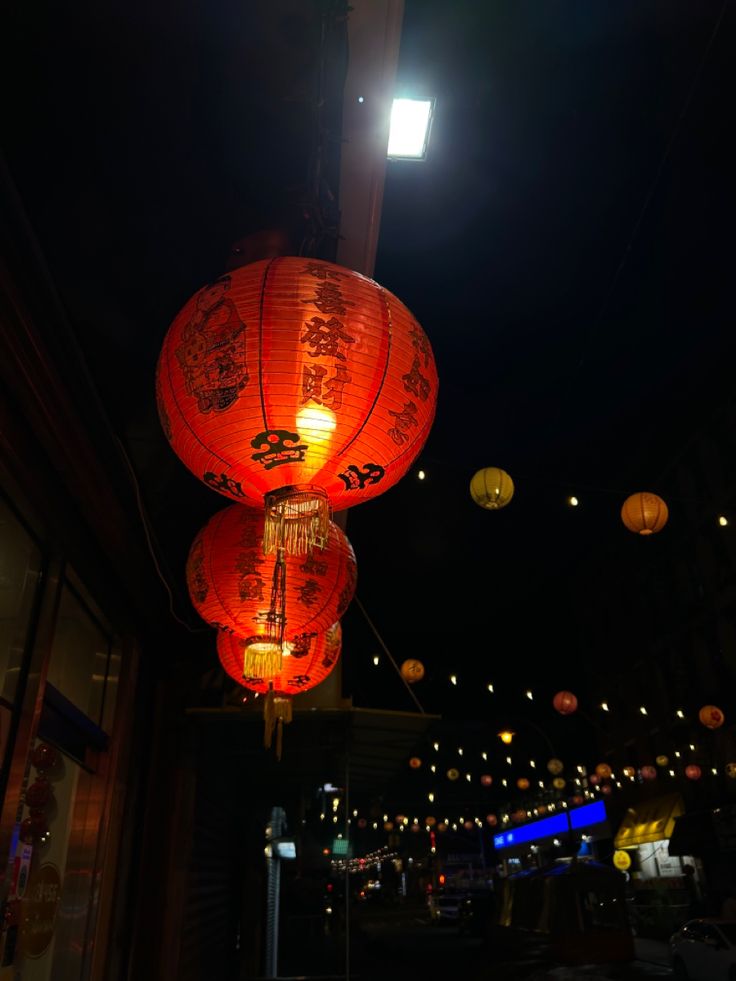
[629, 771]
[565, 702]
[644, 513]
[693, 771]
[468, 825]
[388, 825]
[518, 816]
[298, 384]
[603, 770]
[506, 736]
[522, 783]
[559, 783]
[415, 762]
[486, 779]
[648, 773]
[711, 716]
[594, 779]
[492, 820]
[662, 760]
[430, 821]
[577, 800]
[606, 789]
[622, 860]
[491, 488]
[453, 774]
[731, 770]
[305, 663]
[542, 809]
[442, 826]
[555, 766]
[412, 670]
[266, 600]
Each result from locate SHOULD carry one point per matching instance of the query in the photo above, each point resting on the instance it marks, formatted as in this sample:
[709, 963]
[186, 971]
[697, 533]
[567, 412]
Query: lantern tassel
[297, 518]
[277, 710]
[261, 660]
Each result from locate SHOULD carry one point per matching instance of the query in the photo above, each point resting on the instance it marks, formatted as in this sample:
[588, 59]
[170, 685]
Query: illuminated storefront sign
[550, 827]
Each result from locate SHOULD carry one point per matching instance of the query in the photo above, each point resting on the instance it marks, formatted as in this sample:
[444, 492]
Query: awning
[651, 820]
[693, 834]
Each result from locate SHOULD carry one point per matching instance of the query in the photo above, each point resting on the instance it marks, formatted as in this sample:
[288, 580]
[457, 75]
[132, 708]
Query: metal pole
[347, 864]
[273, 893]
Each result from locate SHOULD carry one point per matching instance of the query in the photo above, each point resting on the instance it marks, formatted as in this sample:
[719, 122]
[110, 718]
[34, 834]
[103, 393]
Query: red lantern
[492, 820]
[304, 666]
[594, 779]
[693, 772]
[299, 381]
[518, 816]
[468, 825]
[415, 762]
[604, 771]
[362, 823]
[542, 809]
[711, 716]
[565, 702]
[577, 800]
[522, 783]
[415, 828]
[606, 789]
[644, 513]
[262, 599]
[486, 779]
[38, 794]
[44, 757]
[648, 773]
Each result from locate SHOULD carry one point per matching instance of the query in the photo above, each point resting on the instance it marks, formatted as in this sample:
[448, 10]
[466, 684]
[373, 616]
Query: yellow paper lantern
[622, 860]
[558, 783]
[491, 488]
[506, 736]
[644, 513]
[555, 766]
[412, 670]
[453, 774]
[415, 762]
[662, 760]
[522, 783]
[711, 716]
[731, 770]
[603, 770]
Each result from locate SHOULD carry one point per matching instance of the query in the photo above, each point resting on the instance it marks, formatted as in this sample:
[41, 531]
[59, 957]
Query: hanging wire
[594, 324]
[149, 541]
[388, 654]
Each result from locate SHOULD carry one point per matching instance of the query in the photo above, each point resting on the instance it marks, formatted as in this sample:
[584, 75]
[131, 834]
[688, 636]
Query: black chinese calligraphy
[278, 446]
[356, 479]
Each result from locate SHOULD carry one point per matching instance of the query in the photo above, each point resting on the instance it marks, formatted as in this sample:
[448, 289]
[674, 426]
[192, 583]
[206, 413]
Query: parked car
[705, 950]
[444, 907]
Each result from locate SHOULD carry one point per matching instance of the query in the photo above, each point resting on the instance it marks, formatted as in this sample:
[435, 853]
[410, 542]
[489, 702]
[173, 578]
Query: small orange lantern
[662, 760]
[604, 771]
[412, 671]
[442, 827]
[711, 716]
[468, 825]
[629, 771]
[453, 774]
[430, 821]
[565, 702]
[388, 825]
[648, 773]
[298, 383]
[522, 783]
[644, 513]
[492, 820]
[559, 783]
[693, 772]
[506, 736]
[555, 766]
[415, 762]
[486, 779]
[731, 770]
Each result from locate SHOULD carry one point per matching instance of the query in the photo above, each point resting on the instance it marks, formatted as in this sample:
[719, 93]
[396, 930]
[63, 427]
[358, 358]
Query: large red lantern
[711, 716]
[266, 600]
[299, 384]
[693, 772]
[565, 702]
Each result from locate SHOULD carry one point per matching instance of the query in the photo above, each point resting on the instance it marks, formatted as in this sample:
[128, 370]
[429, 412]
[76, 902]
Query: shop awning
[651, 820]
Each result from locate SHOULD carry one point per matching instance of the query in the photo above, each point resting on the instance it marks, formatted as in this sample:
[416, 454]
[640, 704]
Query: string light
[643, 710]
[430, 797]
[532, 764]
[680, 714]
[529, 696]
[722, 520]
[692, 747]
[453, 679]
[677, 753]
[484, 756]
[508, 760]
[490, 688]
[459, 751]
[573, 501]
[433, 768]
[421, 475]
[437, 747]
[604, 706]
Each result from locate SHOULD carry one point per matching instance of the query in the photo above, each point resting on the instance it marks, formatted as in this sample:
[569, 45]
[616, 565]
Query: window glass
[20, 569]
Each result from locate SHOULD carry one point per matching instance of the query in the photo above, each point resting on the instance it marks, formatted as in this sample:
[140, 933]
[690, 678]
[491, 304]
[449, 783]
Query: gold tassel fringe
[297, 518]
[277, 710]
[262, 659]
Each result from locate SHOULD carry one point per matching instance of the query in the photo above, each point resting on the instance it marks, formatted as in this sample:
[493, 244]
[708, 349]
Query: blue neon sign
[557, 824]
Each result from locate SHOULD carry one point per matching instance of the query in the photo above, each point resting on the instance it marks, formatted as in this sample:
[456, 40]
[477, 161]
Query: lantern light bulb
[532, 764]
[722, 520]
[573, 501]
[316, 423]
[433, 768]
[459, 751]
[713, 770]
[508, 760]
[505, 782]
[468, 777]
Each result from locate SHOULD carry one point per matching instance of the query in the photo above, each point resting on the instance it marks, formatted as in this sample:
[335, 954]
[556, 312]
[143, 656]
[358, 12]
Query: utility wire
[388, 654]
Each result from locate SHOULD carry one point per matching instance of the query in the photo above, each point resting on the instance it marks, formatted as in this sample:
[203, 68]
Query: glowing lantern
[453, 774]
[400, 818]
[731, 770]
[491, 488]
[555, 766]
[693, 772]
[415, 828]
[442, 826]
[486, 779]
[265, 599]
[606, 789]
[518, 816]
[305, 664]
[558, 783]
[468, 825]
[506, 736]
[492, 820]
[594, 779]
[430, 821]
[662, 760]
[299, 383]
[388, 825]
[644, 513]
[542, 809]
[577, 800]
[415, 762]
[622, 860]
[565, 702]
[412, 671]
[522, 783]
[629, 771]
[362, 823]
[648, 773]
[604, 771]
[711, 716]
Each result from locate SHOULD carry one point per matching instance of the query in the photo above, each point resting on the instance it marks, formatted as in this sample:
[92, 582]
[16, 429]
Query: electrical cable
[388, 654]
